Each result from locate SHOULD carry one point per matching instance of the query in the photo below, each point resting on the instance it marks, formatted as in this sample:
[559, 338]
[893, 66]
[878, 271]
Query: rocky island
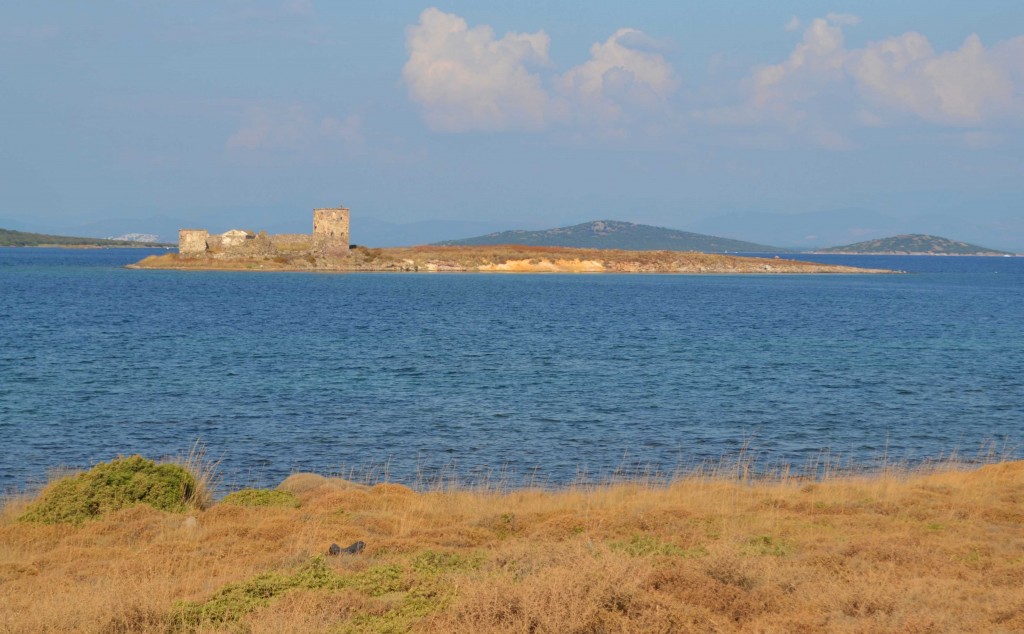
[913, 244]
[328, 249]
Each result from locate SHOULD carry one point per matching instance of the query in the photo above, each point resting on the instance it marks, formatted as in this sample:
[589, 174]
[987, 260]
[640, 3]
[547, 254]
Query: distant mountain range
[612, 234]
[9, 238]
[381, 233]
[598, 234]
[914, 244]
[999, 224]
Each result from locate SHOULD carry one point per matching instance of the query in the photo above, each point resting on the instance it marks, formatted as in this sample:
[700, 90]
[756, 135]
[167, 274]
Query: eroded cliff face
[502, 259]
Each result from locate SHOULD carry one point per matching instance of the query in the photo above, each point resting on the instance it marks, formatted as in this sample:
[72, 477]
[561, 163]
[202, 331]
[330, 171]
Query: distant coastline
[10, 238]
[87, 246]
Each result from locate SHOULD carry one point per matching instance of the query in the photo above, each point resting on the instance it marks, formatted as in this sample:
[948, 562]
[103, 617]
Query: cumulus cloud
[465, 78]
[293, 128]
[877, 84]
[626, 73]
[963, 87]
[818, 59]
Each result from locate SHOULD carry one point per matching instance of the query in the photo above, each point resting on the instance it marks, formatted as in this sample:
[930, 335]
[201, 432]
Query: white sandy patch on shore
[546, 266]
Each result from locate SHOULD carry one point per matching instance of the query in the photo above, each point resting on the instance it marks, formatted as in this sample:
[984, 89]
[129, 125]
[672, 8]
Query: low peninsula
[500, 259]
[328, 249]
[11, 238]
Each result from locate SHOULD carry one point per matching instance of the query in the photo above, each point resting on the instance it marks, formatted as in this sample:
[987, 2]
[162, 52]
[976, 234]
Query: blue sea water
[536, 376]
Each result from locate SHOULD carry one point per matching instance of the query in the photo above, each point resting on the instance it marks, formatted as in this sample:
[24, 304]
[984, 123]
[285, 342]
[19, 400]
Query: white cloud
[824, 88]
[624, 74]
[293, 128]
[963, 87]
[466, 79]
[818, 58]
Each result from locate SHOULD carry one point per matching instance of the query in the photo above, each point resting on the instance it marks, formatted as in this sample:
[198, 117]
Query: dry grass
[504, 258]
[941, 551]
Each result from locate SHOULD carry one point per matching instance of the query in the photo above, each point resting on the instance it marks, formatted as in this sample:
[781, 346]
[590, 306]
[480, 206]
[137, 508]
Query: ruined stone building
[329, 238]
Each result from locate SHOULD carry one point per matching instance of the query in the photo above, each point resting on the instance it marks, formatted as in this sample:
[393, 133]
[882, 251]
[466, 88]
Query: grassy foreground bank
[907, 552]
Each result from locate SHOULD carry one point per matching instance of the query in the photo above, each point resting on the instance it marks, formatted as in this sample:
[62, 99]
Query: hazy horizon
[788, 124]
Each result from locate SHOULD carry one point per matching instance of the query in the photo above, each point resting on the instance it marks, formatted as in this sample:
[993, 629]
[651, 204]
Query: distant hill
[914, 244]
[612, 234]
[1000, 226]
[9, 238]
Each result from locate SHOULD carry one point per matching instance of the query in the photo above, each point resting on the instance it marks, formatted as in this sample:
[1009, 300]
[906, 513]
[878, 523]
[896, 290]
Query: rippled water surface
[537, 375]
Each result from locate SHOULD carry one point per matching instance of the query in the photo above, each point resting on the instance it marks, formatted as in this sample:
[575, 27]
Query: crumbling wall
[292, 242]
[329, 238]
[192, 242]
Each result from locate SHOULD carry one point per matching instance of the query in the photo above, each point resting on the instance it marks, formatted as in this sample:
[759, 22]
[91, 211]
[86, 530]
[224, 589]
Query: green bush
[262, 497]
[650, 545]
[232, 603]
[113, 485]
[766, 545]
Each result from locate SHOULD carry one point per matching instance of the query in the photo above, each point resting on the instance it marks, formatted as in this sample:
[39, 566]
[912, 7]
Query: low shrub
[234, 602]
[262, 497]
[650, 545]
[114, 485]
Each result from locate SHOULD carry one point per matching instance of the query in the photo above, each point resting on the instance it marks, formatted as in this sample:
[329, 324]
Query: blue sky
[516, 114]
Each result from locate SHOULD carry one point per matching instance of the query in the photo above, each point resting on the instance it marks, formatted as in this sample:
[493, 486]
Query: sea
[532, 380]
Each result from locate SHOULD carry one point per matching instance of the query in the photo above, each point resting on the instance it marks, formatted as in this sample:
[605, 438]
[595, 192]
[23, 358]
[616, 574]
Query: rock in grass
[300, 483]
[354, 549]
[262, 497]
[110, 486]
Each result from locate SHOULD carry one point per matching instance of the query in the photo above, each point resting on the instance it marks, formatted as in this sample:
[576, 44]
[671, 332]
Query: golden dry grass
[898, 552]
[504, 258]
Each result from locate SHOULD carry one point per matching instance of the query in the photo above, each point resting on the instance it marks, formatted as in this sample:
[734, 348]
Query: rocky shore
[505, 259]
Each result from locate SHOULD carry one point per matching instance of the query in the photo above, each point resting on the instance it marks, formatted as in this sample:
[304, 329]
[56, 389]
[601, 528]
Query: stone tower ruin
[192, 242]
[330, 229]
[329, 238]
